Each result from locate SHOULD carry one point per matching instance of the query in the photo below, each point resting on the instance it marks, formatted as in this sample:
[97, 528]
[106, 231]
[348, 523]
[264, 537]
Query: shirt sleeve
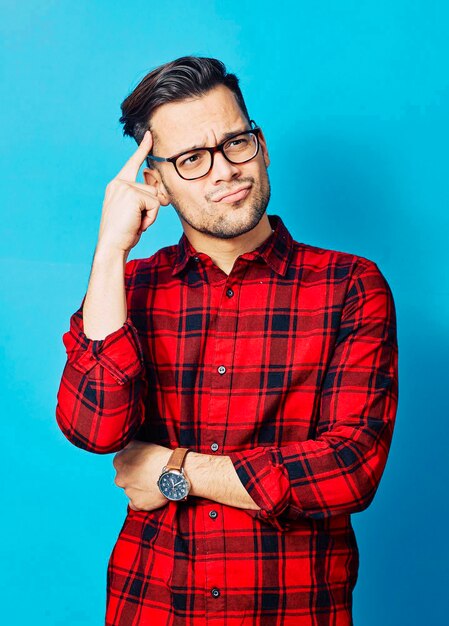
[339, 471]
[101, 396]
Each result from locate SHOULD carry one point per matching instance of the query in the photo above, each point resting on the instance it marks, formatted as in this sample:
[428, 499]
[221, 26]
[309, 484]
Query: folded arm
[339, 471]
[140, 463]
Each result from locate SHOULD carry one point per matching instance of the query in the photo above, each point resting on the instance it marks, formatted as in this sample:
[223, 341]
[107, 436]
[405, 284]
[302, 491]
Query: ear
[263, 148]
[152, 177]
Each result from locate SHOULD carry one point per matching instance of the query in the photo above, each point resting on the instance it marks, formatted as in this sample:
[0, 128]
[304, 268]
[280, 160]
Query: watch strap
[177, 459]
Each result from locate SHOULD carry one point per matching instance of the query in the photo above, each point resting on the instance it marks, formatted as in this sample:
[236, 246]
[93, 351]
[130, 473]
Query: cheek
[184, 193]
[263, 171]
[194, 196]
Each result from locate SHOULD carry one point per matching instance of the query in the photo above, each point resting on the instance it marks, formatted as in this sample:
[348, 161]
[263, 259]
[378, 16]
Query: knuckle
[112, 186]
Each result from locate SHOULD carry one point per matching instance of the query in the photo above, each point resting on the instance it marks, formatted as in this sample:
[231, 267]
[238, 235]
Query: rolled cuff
[120, 352]
[264, 477]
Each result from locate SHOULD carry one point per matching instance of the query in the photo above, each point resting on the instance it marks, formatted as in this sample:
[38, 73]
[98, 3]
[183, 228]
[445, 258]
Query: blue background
[353, 99]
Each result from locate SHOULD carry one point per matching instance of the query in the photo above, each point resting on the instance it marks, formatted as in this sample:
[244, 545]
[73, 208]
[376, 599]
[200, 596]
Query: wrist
[165, 455]
[203, 472]
[172, 463]
[190, 465]
[105, 253]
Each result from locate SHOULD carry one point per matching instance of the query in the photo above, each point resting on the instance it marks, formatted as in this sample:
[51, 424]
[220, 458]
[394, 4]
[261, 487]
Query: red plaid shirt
[288, 365]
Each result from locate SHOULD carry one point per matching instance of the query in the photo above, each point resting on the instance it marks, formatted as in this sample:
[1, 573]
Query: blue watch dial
[173, 485]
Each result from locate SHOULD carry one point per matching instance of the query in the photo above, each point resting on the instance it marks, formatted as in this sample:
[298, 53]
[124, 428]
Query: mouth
[236, 196]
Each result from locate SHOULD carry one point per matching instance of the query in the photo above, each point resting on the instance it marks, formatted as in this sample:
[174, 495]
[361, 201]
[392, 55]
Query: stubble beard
[225, 226]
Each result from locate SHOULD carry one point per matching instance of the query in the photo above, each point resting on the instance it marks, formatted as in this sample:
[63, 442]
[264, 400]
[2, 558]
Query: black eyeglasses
[238, 148]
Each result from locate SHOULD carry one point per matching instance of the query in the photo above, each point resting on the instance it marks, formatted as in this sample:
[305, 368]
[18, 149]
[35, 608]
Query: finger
[131, 168]
[148, 218]
[141, 187]
[131, 506]
[118, 482]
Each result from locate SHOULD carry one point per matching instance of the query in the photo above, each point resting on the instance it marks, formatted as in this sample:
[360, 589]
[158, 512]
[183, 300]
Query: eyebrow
[224, 137]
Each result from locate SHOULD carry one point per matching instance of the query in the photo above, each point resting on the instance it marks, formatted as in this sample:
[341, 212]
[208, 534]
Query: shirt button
[196, 258]
[214, 447]
[215, 592]
[221, 369]
[229, 293]
[213, 514]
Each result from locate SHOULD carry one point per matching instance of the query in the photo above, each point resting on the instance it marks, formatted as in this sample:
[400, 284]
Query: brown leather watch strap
[177, 458]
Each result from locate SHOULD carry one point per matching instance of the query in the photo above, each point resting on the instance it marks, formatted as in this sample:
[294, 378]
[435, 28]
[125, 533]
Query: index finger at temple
[131, 168]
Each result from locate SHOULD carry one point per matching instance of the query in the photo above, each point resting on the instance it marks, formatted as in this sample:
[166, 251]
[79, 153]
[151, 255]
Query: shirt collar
[276, 250]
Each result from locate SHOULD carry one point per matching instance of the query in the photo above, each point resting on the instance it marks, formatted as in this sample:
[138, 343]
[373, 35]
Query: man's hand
[129, 207]
[138, 468]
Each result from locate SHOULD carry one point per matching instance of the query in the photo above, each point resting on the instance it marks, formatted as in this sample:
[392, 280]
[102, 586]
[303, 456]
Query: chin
[237, 222]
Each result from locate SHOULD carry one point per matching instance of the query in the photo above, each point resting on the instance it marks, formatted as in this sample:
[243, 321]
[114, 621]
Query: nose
[222, 169]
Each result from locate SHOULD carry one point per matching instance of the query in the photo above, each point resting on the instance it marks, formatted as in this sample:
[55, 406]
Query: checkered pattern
[288, 366]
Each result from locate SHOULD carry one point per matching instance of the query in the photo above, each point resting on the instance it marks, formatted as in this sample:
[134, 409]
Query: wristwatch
[173, 483]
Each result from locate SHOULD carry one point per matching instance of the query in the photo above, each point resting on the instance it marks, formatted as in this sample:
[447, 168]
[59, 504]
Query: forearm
[105, 307]
[214, 478]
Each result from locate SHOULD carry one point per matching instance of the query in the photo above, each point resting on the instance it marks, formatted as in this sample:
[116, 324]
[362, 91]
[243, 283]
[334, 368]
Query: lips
[238, 194]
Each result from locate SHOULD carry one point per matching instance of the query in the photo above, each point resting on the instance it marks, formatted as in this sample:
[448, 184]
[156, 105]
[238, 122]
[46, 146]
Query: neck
[224, 252]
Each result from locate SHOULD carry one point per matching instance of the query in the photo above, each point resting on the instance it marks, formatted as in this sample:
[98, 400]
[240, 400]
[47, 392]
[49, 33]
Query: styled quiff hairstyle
[183, 78]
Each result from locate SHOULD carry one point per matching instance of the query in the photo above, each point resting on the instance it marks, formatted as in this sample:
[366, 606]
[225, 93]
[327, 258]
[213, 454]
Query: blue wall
[353, 99]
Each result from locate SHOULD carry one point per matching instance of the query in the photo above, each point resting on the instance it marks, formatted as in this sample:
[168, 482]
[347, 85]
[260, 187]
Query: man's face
[204, 121]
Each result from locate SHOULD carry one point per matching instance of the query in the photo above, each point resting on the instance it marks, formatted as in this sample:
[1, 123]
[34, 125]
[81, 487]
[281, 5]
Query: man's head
[188, 102]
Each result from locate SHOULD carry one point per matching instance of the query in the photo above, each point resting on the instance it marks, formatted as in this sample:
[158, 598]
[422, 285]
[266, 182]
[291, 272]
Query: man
[247, 381]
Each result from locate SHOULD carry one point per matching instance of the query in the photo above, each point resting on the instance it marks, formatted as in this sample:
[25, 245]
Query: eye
[240, 141]
[189, 160]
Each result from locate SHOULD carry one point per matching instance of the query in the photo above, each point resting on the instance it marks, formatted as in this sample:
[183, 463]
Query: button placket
[226, 306]
[214, 547]
[225, 337]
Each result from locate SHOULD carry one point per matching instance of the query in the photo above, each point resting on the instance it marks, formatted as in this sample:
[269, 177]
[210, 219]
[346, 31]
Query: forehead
[195, 121]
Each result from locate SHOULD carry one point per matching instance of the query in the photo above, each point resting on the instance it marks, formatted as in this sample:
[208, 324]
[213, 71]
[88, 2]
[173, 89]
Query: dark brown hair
[186, 77]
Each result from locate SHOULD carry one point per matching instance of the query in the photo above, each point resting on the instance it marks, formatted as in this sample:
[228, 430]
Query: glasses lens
[241, 148]
[193, 164]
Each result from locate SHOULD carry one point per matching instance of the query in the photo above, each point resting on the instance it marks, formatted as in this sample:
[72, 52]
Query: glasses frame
[218, 148]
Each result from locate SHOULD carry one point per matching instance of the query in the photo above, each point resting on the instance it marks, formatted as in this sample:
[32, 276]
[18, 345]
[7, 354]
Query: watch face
[173, 485]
